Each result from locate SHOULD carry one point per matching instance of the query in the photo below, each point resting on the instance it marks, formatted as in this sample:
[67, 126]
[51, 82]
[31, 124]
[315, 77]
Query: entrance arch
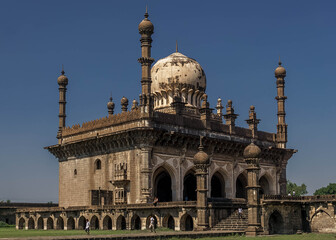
[22, 223]
[321, 222]
[121, 223]
[275, 223]
[189, 187]
[168, 222]
[60, 223]
[31, 223]
[187, 223]
[71, 223]
[136, 223]
[217, 186]
[264, 186]
[94, 223]
[107, 223]
[81, 223]
[148, 221]
[40, 223]
[50, 223]
[241, 184]
[163, 185]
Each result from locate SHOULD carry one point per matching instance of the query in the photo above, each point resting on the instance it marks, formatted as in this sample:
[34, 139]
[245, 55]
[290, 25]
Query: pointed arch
[163, 185]
[136, 222]
[31, 223]
[148, 221]
[94, 223]
[107, 223]
[70, 223]
[168, 222]
[60, 223]
[40, 223]
[275, 223]
[189, 186]
[217, 188]
[121, 223]
[50, 223]
[81, 223]
[321, 221]
[241, 184]
[186, 223]
[22, 223]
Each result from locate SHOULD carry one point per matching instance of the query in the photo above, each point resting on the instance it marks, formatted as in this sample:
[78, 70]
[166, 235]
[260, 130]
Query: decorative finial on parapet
[63, 70]
[110, 106]
[280, 61]
[176, 46]
[219, 107]
[253, 121]
[146, 13]
[134, 105]
[124, 104]
[200, 148]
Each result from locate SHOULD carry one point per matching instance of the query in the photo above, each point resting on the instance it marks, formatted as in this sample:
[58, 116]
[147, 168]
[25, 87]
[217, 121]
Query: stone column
[62, 83]
[201, 161]
[251, 155]
[146, 172]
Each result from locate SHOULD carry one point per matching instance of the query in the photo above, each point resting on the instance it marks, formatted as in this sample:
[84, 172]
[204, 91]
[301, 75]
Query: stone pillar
[281, 136]
[253, 122]
[205, 112]
[230, 116]
[251, 155]
[146, 173]
[201, 161]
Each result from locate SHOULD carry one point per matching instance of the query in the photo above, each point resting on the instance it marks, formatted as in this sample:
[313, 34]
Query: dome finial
[146, 13]
[176, 46]
[200, 148]
[62, 69]
[280, 61]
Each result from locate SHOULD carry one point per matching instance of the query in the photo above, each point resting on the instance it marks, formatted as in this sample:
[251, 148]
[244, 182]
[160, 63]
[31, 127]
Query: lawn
[11, 232]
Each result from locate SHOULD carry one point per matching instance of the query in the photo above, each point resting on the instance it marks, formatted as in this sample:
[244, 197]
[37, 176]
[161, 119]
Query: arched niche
[186, 223]
[168, 222]
[241, 183]
[50, 223]
[189, 186]
[264, 186]
[31, 223]
[107, 223]
[163, 185]
[275, 223]
[22, 223]
[217, 188]
[121, 223]
[94, 223]
[60, 223]
[70, 223]
[136, 222]
[40, 223]
[81, 223]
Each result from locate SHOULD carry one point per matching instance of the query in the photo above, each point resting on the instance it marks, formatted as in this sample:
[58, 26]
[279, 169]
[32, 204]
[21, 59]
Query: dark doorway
[31, 223]
[189, 187]
[136, 223]
[171, 223]
[189, 224]
[241, 184]
[40, 224]
[121, 223]
[50, 223]
[71, 223]
[275, 223]
[94, 223]
[163, 187]
[81, 223]
[217, 186]
[60, 224]
[107, 223]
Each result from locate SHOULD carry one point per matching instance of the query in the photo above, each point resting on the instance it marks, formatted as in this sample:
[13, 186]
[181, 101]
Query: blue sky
[238, 44]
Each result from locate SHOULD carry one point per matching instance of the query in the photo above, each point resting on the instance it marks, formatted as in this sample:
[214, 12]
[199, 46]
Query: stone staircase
[232, 222]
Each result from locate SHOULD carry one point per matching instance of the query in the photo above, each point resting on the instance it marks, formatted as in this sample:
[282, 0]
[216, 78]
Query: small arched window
[98, 164]
[75, 172]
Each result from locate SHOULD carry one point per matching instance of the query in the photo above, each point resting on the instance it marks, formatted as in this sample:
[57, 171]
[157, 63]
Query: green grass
[11, 232]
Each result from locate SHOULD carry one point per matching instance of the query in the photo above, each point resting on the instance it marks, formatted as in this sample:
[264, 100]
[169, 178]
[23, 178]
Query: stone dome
[252, 151]
[62, 80]
[179, 75]
[280, 71]
[146, 25]
[201, 157]
[124, 101]
[110, 104]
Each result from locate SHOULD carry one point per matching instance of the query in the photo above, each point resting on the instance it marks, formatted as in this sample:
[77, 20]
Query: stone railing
[299, 198]
[102, 122]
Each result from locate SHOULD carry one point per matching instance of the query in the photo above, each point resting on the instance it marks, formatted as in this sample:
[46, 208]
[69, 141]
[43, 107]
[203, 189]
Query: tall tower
[146, 29]
[62, 83]
[281, 136]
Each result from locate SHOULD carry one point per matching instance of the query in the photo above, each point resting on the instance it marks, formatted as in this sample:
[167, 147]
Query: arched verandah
[121, 223]
[217, 189]
[107, 223]
[136, 222]
[275, 223]
[241, 184]
[163, 185]
[31, 223]
[70, 223]
[40, 223]
[94, 223]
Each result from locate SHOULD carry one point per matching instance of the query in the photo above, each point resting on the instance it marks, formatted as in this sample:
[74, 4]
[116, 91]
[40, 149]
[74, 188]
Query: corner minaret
[281, 136]
[146, 29]
[62, 81]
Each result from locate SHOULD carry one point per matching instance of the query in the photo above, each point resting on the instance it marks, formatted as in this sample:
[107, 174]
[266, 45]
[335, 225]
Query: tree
[328, 190]
[299, 190]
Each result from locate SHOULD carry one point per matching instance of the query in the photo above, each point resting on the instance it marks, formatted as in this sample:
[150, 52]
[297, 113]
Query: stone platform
[159, 235]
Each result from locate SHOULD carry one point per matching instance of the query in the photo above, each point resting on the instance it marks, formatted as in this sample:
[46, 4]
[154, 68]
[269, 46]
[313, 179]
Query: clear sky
[238, 44]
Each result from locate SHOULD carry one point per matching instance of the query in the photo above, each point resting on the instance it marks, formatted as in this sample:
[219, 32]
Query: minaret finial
[176, 46]
[280, 61]
[146, 13]
[62, 69]
[201, 144]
